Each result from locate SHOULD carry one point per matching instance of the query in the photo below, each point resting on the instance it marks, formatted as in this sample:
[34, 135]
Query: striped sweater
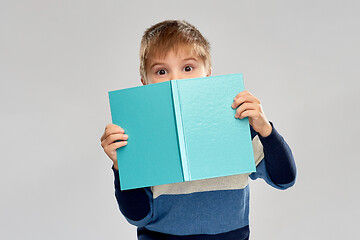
[216, 208]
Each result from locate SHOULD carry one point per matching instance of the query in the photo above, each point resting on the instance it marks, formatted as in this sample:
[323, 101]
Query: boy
[216, 208]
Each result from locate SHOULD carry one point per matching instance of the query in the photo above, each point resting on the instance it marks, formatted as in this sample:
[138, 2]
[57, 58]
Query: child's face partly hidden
[182, 65]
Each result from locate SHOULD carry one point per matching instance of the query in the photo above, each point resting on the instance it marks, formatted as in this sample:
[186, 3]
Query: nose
[176, 75]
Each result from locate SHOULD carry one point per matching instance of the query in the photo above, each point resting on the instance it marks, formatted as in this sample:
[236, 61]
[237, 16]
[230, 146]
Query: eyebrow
[161, 63]
[190, 58]
[156, 63]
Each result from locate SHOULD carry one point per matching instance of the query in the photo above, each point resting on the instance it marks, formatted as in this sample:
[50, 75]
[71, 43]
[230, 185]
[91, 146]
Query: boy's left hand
[249, 106]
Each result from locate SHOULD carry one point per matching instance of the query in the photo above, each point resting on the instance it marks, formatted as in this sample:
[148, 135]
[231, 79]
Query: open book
[181, 130]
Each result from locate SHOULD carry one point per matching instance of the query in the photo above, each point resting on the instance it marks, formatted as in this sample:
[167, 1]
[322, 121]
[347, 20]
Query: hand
[249, 106]
[110, 141]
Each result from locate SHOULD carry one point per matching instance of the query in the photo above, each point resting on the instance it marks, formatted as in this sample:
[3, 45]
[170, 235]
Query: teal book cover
[181, 130]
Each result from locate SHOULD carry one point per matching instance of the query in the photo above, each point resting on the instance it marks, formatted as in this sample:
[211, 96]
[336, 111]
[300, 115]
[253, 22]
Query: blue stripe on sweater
[208, 212]
[237, 234]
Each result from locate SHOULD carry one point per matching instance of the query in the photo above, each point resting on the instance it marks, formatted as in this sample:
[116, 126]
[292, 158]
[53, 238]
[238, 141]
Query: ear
[209, 72]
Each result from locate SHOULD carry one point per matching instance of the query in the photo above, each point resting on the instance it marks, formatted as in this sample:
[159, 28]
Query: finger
[115, 145]
[111, 129]
[243, 93]
[103, 136]
[113, 138]
[250, 113]
[244, 107]
[106, 132]
[240, 100]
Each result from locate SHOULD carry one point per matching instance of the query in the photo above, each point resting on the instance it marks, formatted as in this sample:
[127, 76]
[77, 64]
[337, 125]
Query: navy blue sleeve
[134, 204]
[278, 165]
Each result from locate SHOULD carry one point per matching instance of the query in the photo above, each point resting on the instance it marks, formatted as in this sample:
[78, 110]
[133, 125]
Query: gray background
[58, 60]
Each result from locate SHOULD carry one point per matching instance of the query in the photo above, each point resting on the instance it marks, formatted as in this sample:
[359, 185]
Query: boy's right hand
[110, 141]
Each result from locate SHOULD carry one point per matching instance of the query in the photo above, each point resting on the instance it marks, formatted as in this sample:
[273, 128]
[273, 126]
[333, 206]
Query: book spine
[180, 132]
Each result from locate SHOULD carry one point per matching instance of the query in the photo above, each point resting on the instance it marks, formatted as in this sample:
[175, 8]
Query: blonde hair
[170, 35]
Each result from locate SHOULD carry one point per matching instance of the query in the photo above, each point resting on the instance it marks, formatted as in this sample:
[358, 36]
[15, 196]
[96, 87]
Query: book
[181, 130]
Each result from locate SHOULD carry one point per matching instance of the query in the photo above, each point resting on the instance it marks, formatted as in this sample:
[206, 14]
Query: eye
[188, 68]
[161, 72]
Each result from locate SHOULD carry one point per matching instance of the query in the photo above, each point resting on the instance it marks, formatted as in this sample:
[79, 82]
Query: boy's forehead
[182, 51]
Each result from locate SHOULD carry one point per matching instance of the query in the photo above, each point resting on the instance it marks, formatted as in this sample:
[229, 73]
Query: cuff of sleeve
[116, 177]
[273, 141]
